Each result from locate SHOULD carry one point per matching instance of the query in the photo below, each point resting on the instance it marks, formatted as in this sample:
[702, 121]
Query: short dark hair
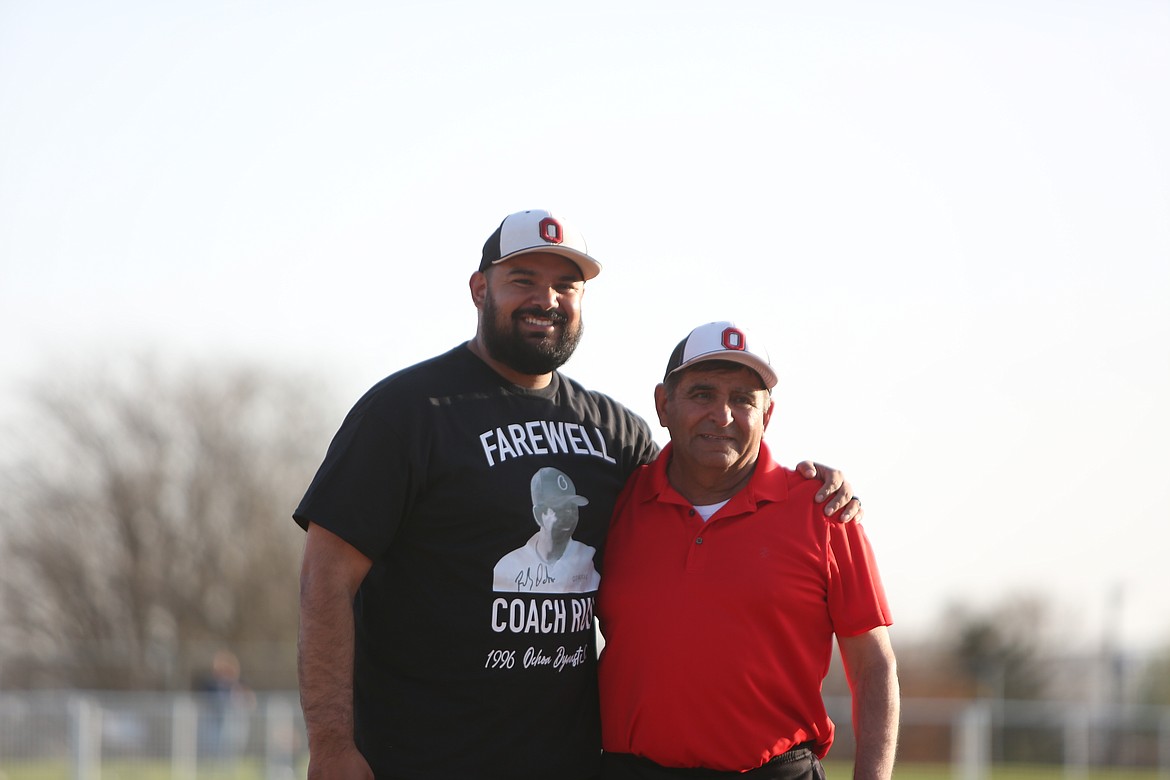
[674, 379]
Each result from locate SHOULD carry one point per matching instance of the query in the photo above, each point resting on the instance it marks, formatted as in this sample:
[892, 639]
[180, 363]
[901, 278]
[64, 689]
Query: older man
[723, 587]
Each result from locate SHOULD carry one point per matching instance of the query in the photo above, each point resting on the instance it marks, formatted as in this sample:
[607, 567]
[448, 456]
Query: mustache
[557, 317]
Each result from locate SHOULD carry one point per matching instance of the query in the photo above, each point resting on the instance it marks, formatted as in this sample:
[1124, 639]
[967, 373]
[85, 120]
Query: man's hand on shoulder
[842, 505]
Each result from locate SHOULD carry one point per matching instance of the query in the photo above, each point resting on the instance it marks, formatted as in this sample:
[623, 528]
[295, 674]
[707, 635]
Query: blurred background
[220, 222]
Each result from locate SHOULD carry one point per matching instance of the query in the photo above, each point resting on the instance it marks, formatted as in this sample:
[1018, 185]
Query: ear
[478, 285]
[660, 403]
[768, 411]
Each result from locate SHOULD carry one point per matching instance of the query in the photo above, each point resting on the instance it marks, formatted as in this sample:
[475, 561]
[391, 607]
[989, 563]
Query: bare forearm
[331, 573]
[873, 679]
[325, 644]
[875, 724]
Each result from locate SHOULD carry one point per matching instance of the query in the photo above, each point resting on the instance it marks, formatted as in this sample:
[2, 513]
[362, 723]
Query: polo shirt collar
[760, 488]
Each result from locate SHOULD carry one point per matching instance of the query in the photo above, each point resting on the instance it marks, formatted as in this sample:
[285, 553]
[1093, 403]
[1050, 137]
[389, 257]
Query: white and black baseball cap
[536, 230]
[552, 487]
[722, 341]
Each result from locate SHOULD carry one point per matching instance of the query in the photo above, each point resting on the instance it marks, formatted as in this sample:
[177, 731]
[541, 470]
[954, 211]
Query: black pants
[799, 763]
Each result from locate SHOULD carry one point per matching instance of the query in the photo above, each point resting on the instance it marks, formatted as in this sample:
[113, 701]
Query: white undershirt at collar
[706, 510]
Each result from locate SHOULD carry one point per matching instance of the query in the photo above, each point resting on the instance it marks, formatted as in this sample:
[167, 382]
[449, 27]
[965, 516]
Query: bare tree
[1004, 652]
[145, 523]
[1154, 686]
[1003, 649]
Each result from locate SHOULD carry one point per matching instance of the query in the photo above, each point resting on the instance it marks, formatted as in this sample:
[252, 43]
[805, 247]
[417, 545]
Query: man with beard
[411, 664]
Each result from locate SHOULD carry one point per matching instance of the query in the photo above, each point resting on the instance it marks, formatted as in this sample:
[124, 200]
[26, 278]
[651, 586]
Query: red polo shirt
[718, 634]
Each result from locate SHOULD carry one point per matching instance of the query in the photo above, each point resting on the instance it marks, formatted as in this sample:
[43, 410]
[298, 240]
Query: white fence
[90, 735]
[78, 735]
[974, 737]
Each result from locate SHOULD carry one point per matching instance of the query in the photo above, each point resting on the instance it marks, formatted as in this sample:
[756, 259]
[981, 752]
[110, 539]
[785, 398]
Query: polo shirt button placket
[697, 555]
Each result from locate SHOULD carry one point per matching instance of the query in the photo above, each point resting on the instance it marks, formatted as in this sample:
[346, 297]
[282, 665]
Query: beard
[505, 344]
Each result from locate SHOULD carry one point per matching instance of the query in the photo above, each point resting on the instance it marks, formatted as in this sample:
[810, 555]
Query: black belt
[794, 753]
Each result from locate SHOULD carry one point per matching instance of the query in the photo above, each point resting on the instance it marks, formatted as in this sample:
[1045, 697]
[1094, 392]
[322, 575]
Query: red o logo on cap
[734, 340]
[550, 230]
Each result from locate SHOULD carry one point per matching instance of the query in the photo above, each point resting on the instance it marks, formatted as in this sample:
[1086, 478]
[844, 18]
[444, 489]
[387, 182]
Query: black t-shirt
[475, 653]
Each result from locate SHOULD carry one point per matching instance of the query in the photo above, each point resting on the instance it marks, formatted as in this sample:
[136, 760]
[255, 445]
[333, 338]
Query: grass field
[248, 770]
[138, 770]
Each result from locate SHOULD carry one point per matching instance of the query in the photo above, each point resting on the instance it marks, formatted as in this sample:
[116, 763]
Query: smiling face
[530, 312]
[716, 413]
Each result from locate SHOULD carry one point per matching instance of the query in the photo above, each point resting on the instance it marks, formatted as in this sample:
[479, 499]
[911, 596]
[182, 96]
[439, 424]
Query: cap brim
[589, 267]
[767, 375]
[569, 500]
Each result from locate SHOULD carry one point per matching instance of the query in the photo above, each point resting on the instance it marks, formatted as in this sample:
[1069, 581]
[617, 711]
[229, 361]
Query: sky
[949, 221]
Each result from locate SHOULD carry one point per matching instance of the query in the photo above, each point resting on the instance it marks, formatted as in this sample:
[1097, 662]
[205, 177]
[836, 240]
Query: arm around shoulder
[873, 682]
[842, 505]
[331, 572]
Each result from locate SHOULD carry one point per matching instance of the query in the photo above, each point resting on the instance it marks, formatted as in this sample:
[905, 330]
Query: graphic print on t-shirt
[552, 561]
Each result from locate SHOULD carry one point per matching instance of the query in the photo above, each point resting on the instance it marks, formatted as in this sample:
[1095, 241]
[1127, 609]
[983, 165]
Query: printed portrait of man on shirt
[552, 561]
